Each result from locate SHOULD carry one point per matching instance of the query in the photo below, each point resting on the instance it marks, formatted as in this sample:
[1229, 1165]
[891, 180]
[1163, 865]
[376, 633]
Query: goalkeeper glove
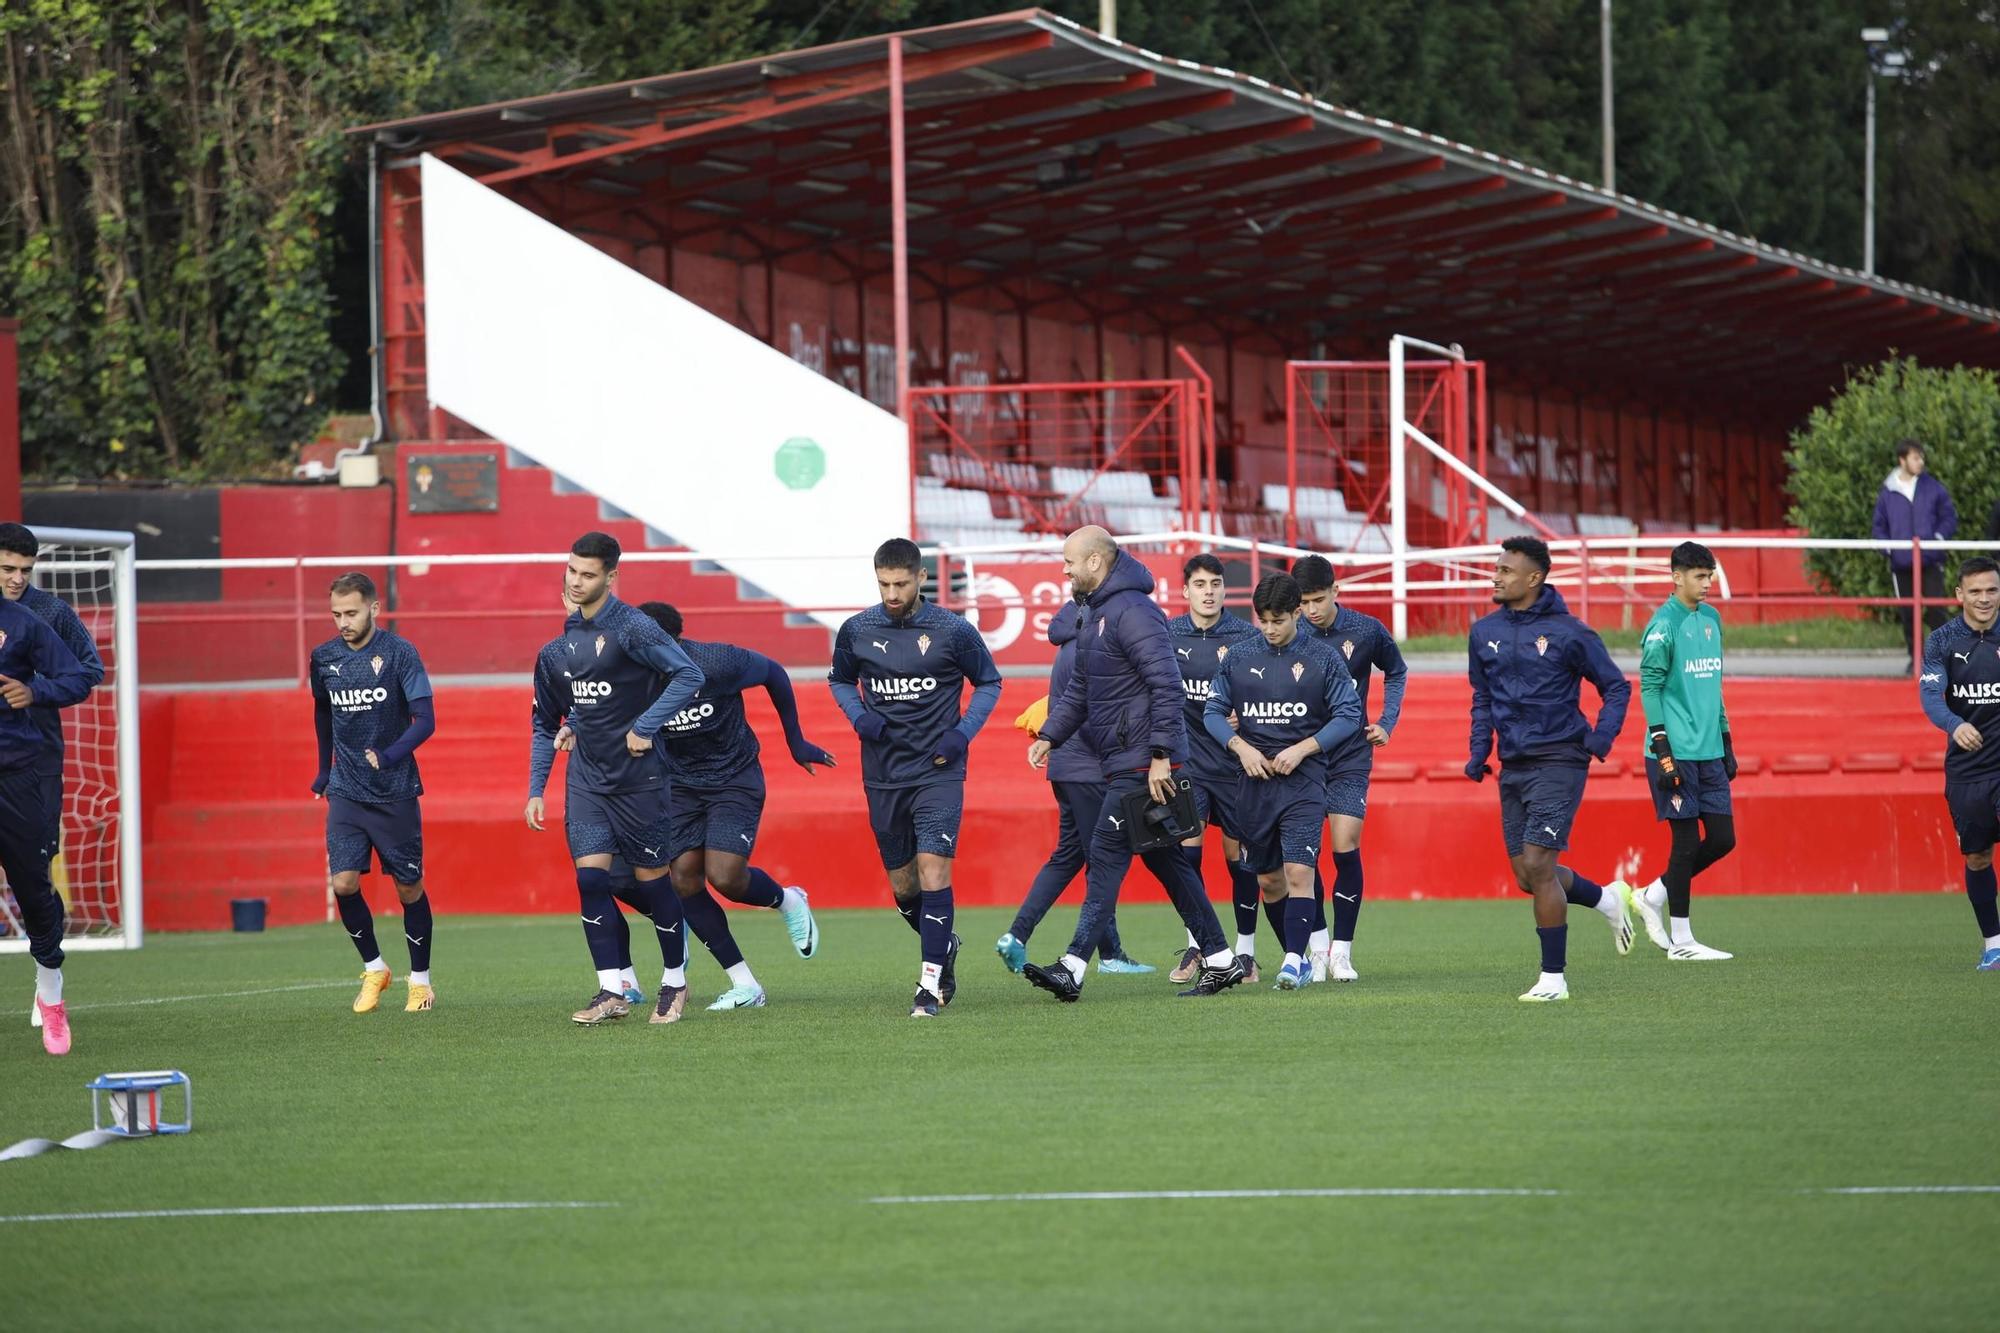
[1656, 739]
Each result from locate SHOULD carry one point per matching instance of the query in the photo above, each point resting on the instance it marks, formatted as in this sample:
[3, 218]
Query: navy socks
[1555, 947]
[1980, 890]
[360, 923]
[600, 918]
[1347, 889]
[417, 931]
[710, 925]
[764, 891]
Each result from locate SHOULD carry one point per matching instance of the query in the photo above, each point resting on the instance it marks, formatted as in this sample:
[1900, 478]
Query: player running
[1366, 646]
[617, 678]
[1295, 705]
[1203, 637]
[1528, 661]
[19, 549]
[1690, 761]
[1960, 689]
[35, 670]
[371, 710]
[715, 801]
[899, 670]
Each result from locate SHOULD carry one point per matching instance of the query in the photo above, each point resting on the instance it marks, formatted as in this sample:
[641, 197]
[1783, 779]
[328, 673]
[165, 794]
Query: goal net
[98, 868]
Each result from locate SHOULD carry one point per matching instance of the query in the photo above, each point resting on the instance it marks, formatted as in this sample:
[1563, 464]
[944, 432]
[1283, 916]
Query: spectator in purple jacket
[1913, 503]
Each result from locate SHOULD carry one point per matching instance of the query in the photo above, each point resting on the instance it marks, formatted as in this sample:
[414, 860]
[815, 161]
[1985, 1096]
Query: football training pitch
[1766, 1143]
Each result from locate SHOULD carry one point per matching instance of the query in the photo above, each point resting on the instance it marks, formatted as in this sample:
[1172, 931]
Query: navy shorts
[52, 812]
[1704, 789]
[722, 819]
[1215, 803]
[1538, 805]
[630, 824]
[1347, 774]
[1975, 813]
[392, 830]
[909, 820]
[1283, 818]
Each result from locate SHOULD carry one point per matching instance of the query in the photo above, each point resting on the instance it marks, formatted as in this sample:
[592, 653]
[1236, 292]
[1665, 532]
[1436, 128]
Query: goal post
[94, 572]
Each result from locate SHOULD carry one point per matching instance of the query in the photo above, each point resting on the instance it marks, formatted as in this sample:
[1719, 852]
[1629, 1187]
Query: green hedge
[1840, 456]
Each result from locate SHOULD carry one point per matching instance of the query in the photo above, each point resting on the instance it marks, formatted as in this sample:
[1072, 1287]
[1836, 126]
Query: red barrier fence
[228, 813]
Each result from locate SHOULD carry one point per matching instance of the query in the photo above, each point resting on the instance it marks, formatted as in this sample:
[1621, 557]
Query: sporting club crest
[376, 662]
[1222, 653]
[1347, 648]
[1708, 631]
[1542, 645]
[3, 638]
[923, 644]
[1298, 671]
[1677, 804]
[600, 645]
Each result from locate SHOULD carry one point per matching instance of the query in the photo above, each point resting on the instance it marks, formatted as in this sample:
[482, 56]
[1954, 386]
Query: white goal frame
[125, 705]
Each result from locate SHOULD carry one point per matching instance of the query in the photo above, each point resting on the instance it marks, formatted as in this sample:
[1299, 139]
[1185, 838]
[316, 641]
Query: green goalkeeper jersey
[1680, 678]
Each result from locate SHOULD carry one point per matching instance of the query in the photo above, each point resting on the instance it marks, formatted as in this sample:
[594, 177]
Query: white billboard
[650, 402]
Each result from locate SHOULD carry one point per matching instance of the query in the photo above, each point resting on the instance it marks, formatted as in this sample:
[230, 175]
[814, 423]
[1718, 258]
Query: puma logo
[332, 669]
[1116, 822]
[880, 644]
[1551, 832]
[1963, 657]
[1258, 672]
[668, 930]
[1348, 897]
[948, 838]
[414, 939]
[1185, 652]
[746, 839]
[1494, 644]
[938, 919]
[354, 934]
[593, 921]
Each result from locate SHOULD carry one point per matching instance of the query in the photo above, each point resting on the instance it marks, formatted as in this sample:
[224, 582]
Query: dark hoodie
[1527, 669]
[1125, 698]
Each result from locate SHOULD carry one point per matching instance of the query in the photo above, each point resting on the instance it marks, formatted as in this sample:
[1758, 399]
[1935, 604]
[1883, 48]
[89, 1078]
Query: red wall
[228, 813]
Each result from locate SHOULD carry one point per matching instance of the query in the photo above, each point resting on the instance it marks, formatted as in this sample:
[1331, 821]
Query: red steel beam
[831, 86]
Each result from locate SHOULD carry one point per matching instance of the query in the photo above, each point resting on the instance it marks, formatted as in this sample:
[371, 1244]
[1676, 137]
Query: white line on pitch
[299, 1210]
[211, 995]
[1908, 1189]
[1095, 1196]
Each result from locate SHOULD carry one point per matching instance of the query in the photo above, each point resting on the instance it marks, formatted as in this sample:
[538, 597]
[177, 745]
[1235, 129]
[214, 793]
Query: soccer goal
[98, 871]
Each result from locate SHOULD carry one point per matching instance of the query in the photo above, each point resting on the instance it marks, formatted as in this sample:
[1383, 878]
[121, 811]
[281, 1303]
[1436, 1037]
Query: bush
[1840, 456]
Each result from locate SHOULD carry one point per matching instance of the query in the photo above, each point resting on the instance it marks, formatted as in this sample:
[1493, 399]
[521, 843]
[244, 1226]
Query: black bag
[1149, 825]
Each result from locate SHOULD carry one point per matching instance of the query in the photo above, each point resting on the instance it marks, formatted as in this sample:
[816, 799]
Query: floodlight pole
[899, 227]
[1604, 60]
[1868, 185]
[1107, 18]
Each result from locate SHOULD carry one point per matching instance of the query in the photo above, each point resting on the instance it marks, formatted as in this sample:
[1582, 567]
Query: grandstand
[1080, 208]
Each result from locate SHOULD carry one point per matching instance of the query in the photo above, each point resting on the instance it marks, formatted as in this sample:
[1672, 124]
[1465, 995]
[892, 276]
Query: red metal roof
[1040, 149]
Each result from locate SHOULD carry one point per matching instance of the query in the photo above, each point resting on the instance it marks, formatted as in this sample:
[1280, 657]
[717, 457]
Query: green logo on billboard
[800, 463]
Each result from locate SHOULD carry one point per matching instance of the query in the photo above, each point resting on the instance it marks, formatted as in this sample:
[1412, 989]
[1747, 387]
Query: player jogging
[19, 550]
[35, 669]
[715, 801]
[1295, 705]
[371, 710]
[1365, 645]
[1690, 761]
[899, 671]
[1203, 637]
[617, 677]
[1960, 689]
[1528, 661]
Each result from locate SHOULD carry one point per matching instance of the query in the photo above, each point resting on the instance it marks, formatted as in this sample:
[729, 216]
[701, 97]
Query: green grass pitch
[1687, 1115]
